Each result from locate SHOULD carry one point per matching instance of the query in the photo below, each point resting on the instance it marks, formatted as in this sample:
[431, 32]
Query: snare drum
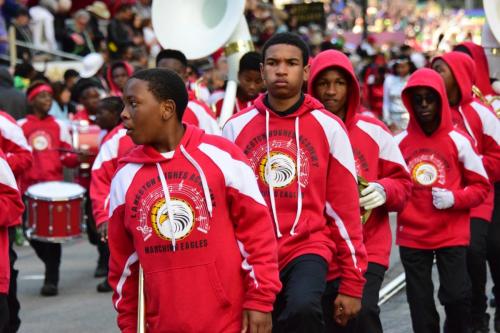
[86, 138]
[55, 211]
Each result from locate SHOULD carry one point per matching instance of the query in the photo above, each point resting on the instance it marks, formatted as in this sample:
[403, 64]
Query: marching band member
[18, 156]
[12, 209]
[250, 84]
[448, 179]
[302, 158]
[378, 160]
[197, 112]
[46, 136]
[87, 93]
[117, 75]
[185, 206]
[477, 120]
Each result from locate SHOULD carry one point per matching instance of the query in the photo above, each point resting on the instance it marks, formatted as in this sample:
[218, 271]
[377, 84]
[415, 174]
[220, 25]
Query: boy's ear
[167, 109]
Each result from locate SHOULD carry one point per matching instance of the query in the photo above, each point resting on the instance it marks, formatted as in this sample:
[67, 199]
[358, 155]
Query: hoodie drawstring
[168, 202]
[166, 193]
[271, 188]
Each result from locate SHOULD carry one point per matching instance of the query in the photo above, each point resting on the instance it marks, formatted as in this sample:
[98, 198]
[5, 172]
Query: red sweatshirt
[115, 145]
[471, 116]
[378, 158]
[14, 145]
[213, 258]
[46, 136]
[445, 159]
[327, 198]
[12, 209]
[200, 115]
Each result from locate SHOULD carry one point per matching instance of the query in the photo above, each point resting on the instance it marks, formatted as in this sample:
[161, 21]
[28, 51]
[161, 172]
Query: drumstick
[74, 151]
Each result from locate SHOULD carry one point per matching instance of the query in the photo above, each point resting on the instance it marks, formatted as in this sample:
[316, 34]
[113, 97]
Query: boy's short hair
[82, 85]
[113, 104]
[70, 73]
[165, 84]
[287, 38]
[250, 62]
[172, 54]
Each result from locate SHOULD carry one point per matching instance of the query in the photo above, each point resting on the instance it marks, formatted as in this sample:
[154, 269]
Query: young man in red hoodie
[378, 161]
[19, 157]
[302, 158]
[46, 136]
[448, 180]
[12, 208]
[474, 118]
[184, 206]
[197, 112]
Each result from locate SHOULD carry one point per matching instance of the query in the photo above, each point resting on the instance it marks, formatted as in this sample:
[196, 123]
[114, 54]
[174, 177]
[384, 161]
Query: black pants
[454, 288]
[368, 319]
[94, 236]
[50, 254]
[12, 301]
[476, 266]
[493, 247]
[298, 305]
[4, 312]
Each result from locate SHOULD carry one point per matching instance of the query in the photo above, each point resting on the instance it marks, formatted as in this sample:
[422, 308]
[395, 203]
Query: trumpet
[365, 214]
[141, 306]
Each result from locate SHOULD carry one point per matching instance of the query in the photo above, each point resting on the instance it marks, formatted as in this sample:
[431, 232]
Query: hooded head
[458, 70]
[479, 57]
[333, 83]
[117, 75]
[425, 99]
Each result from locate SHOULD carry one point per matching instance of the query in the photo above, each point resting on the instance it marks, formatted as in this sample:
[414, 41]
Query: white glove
[372, 196]
[441, 198]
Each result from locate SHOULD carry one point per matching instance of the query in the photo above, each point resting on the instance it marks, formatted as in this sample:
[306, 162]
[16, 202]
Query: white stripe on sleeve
[245, 265]
[467, 155]
[125, 274]
[233, 127]
[400, 137]
[388, 148]
[237, 174]
[120, 184]
[491, 124]
[6, 175]
[109, 150]
[13, 132]
[340, 146]
[64, 134]
[205, 121]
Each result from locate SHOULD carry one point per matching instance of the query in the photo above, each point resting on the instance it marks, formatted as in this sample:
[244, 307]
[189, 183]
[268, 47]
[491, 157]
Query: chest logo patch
[183, 219]
[425, 173]
[39, 141]
[281, 171]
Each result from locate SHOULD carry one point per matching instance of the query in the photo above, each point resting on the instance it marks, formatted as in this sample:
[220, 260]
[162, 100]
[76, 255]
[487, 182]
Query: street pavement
[79, 308]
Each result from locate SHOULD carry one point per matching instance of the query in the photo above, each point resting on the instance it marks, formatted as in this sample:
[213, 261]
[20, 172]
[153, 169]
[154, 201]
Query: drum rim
[61, 199]
[55, 239]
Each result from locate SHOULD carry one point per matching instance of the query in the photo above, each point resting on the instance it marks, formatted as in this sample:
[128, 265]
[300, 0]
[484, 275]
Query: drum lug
[51, 219]
[68, 218]
[32, 228]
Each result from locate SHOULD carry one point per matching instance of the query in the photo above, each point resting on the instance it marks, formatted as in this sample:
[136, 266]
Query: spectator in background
[120, 34]
[62, 107]
[395, 114]
[79, 39]
[117, 75]
[42, 24]
[3, 32]
[143, 8]
[12, 100]
[23, 75]
[93, 67]
[70, 78]
[98, 11]
[23, 33]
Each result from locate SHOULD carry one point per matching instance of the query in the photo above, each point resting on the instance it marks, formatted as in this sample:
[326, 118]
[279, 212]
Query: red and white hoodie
[445, 159]
[49, 138]
[476, 119]
[313, 184]
[483, 74]
[14, 145]
[115, 145]
[12, 209]
[377, 155]
[196, 222]
[199, 114]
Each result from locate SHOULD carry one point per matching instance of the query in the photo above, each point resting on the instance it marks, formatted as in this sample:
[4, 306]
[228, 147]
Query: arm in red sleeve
[10, 199]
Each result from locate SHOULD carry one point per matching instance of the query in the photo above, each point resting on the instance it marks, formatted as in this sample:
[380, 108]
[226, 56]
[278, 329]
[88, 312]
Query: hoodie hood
[463, 68]
[148, 155]
[332, 59]
[428, 78]
[482, 69]
[115, 91]
[6, 79]
[307, 106]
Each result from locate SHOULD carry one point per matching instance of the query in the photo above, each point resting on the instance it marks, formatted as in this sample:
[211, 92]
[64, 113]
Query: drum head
[55, 191]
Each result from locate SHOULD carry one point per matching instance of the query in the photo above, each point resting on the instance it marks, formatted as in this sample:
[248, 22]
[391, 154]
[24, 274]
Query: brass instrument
[477, 92]
[365, 214]
[141, 306]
